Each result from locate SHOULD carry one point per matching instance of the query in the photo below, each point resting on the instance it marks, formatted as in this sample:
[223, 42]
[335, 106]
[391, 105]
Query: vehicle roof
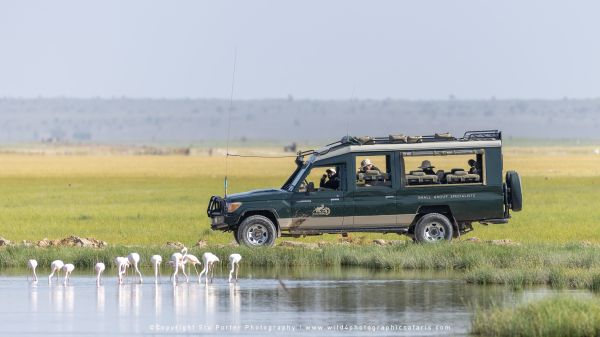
[328, 152]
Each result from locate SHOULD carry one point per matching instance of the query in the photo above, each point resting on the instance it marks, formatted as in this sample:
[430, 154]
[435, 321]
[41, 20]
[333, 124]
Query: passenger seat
[418, 177]
[458, 176]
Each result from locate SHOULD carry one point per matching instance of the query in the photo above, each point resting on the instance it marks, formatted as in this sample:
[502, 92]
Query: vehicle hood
[258, 195]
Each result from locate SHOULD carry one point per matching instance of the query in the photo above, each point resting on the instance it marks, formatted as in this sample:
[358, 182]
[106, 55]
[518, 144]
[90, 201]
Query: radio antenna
[352, 105]
[229, 119]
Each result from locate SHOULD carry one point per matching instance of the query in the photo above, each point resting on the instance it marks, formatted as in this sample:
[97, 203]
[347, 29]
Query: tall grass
[556, 265]
[557, 316]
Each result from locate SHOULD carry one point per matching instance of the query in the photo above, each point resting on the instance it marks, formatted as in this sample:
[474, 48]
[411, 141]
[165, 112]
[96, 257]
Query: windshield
[298, 173]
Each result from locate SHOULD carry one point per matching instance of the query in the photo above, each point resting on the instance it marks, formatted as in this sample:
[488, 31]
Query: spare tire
[514, 196]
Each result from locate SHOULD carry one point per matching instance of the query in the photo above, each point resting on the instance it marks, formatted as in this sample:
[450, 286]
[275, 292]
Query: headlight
[233, 206]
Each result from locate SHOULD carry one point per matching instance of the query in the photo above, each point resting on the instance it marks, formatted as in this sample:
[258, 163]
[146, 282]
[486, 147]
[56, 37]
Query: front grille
[216, 206]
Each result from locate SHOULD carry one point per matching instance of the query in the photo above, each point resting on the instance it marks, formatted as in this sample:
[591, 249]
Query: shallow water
[338, 302]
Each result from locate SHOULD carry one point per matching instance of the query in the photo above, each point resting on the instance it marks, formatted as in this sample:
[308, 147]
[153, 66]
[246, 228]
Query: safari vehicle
[431, 188]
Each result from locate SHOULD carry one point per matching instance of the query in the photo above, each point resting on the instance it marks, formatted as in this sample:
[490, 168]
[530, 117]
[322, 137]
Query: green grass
[467, 257]
[557, 266]
[153, 210]
[557, 316]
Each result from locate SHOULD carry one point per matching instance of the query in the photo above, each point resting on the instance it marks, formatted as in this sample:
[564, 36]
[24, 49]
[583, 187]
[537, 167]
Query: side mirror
[310, 187]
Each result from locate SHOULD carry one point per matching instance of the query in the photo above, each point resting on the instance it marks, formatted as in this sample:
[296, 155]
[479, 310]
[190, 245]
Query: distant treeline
[193, 121]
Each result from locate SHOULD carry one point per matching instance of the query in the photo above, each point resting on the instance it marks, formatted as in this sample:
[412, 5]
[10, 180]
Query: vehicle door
[374, 190]
[320, 208]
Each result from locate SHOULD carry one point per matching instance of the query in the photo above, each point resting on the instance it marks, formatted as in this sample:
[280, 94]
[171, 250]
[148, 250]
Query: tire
[256, 231]
[514, 195]
[235, 236]
[432, 228]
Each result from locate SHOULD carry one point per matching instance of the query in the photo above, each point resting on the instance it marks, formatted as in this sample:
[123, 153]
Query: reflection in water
[178, 300]
[56, 297]
[69, 293]
[100, 298]
[210, 300]
[136, 298]
[123, 297]
[157, 299]
[234, 304]
[33, 297]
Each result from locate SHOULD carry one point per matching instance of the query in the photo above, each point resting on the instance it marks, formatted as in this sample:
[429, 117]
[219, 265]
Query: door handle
[335, 199]
[299, 201]
[390, 196]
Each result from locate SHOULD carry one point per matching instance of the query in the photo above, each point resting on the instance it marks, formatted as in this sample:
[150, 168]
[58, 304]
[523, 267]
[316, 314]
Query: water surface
[272, 302]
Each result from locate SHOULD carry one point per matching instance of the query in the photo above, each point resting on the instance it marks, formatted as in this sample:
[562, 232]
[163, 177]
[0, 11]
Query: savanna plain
[145, 201]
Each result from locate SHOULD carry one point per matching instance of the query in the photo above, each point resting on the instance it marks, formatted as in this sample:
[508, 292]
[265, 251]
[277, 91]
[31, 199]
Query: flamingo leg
[184, 274]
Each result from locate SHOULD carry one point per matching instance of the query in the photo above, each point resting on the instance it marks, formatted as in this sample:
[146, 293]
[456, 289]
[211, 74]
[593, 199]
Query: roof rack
[482, 135]
[478, 135]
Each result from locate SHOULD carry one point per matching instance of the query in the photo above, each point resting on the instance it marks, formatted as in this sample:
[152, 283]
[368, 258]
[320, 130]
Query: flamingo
[234, 260]
[193, 260]
[68, 269]
[209, 260]
[56, 267]
[99, 270]
[122, 264]
[134, 259]
[32, 264]
[177, 261]
[156, 260]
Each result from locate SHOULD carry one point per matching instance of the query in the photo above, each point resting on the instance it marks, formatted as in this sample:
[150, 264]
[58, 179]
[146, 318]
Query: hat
[365, 162]
[330, 170]
[426, 164]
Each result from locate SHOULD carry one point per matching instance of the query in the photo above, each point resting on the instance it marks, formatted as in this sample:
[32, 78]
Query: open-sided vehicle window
[373, 171]
[324, 178]
[443, 168]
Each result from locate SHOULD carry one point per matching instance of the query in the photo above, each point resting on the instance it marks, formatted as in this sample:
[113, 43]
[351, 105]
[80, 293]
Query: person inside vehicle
[475, 168]
[330, 179]
[367, 165]
[427, 167]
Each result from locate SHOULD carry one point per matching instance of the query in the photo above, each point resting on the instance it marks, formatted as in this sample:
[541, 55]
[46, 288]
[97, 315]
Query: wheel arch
[441, 209]
[271, 214]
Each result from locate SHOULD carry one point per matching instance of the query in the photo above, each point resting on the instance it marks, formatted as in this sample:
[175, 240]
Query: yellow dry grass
[152, 199]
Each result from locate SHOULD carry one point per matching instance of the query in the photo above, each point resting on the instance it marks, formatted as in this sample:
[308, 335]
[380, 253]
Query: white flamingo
[156, 261]
[234, 260]
[176, 262]
[209, 260]
[32, 264]
[55, 267]
[122, 264]
[99, 270]
[68, 269]
[134, 259]
[193, 260]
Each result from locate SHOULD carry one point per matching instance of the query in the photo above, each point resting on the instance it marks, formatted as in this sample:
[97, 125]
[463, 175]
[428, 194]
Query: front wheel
[432, 228]
[235, 236]
[256, 231]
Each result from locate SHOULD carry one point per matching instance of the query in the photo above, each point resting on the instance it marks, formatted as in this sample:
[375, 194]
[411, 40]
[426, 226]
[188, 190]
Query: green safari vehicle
[431, 188]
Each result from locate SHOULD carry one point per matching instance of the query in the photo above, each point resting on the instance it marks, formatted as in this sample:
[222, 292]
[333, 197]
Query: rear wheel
[432, 228]
[256, 231]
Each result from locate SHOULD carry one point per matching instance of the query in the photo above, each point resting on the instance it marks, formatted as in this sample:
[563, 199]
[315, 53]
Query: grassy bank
[556, 265]
[559, 316]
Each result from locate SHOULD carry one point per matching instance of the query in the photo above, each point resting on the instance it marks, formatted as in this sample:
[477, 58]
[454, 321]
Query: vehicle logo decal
[321, 210]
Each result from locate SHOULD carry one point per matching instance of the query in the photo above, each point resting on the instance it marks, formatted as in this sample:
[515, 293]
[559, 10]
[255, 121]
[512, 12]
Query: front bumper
[217, 213]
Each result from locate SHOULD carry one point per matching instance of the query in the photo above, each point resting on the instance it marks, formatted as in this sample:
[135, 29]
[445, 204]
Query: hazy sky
[311, 49]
